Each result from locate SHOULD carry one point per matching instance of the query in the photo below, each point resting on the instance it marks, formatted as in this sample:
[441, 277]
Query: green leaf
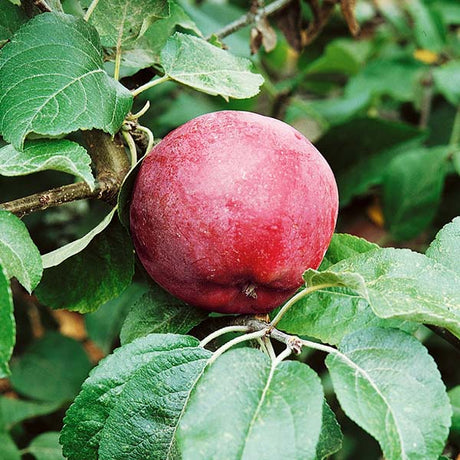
[11, 18]
[7, 324]
[445, 248]
[151, 405]
[329, 315]
[92, 277]
[31, 374]
[99, 396]
[104, 325]
[13, 411]
[56, 257]
[359, 152]
[388, 384]
[58, 59]
[428, 29]
[255, 410]
[343, 246]
[160, 312]
[412, 188]
[447, 81]
[126, 20]
[18, 254]
[58, 155]
[9, 448]
[46, 447]
[348, 280]
[194, 62]
[330, 438]
[454, 397]
[406, 285]
[145, 51]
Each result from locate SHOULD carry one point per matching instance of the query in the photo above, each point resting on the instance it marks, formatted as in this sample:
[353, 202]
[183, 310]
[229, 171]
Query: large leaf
[59, 155]
[359, 152]
[18, 254]
[412, 188]
[406, 285]
[7, 324]
[104, 325]
[13, 411]
[151, 405]
[343, 246]
[329, 315]
[445, 248]
[194, 62]
[56, 257]
[388, 384]
[92, 277]
[46, 447]
[160, 312]
[126, 20]
[57, 58]
[47, 362]
[99, 396]
[254, 409]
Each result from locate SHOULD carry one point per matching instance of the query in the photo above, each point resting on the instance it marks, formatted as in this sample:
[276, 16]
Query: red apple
[230, 209]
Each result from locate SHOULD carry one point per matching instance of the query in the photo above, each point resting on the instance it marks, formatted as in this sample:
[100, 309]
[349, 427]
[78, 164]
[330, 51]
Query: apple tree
[97, 361]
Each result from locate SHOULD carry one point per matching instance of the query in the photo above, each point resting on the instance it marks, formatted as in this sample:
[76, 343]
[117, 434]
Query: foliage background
[382, 107]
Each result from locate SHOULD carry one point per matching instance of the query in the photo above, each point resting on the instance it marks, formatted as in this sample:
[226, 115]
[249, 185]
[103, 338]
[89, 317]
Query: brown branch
[111, 164]
[250, 18]
[427, 99]
[42, 6]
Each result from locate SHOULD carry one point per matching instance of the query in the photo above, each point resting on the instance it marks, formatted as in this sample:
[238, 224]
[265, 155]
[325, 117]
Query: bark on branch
[111, 164]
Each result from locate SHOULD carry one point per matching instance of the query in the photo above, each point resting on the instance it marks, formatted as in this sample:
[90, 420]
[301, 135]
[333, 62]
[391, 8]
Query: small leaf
[58, 155]
[56, 257]
[445, 248]
[407, 285]
[348, 280]
[127, 19]
[9, 449]
[330, 438]
[151, 405]
[46, 447]
[7, 324]
[454, 397]
[388, 384]
[99, 395]
[18, 254]
[11, 18]
[104, 325]
[343, 246]
[158, 311]
[412, 188]
[92, 277]
[194, 62]
[58, 59]
[255, 410]
[13, 411]
[52, 352]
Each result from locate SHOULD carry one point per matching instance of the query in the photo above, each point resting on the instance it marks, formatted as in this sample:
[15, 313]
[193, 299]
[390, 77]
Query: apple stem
[224, 330]
[231, 343]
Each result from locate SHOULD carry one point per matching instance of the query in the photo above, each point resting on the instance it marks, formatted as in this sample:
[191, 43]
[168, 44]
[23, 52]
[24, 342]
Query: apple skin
[229, 210]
